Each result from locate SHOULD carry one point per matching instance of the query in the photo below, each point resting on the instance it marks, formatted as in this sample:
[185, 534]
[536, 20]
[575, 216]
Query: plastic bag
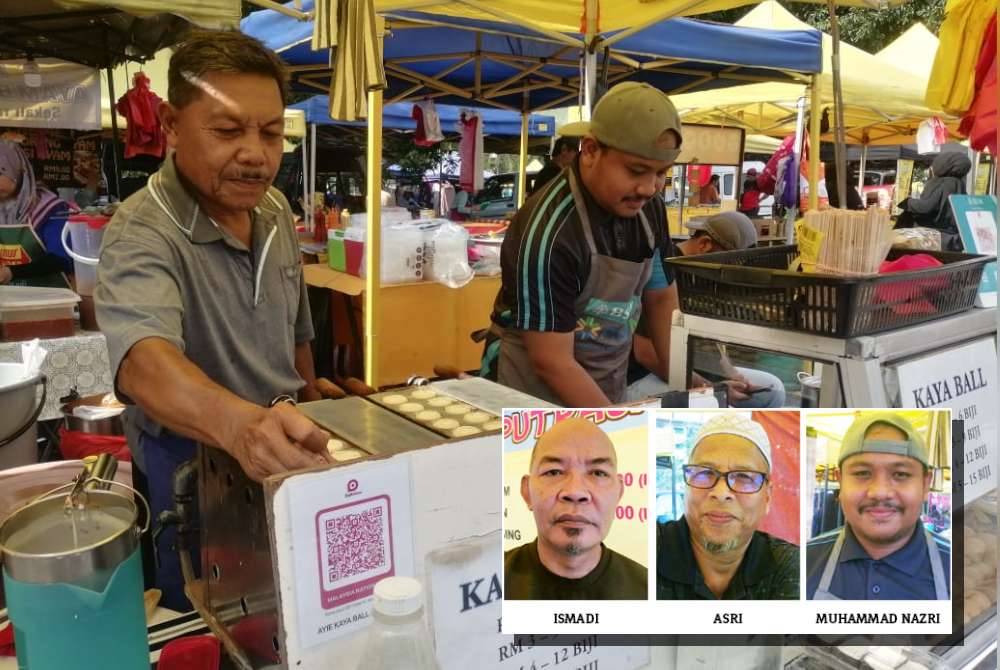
[446, 253]
[925, 239]
[74, 444]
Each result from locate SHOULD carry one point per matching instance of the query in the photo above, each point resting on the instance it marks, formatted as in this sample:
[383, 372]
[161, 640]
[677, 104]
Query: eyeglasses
[738, 481]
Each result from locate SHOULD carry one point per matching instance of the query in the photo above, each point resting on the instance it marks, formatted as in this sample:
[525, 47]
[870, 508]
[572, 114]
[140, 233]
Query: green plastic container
[73, 583]
[337, 257]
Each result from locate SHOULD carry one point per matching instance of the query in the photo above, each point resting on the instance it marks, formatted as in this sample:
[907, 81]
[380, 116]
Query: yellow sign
[295, 123]
[810, 241]
[983, 178]
[904, 181]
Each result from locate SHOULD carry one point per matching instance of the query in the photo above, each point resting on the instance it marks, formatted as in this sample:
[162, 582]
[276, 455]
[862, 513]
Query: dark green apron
[607, 312]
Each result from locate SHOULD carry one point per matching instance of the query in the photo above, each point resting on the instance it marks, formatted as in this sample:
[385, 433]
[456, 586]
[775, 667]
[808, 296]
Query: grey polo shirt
[167, 270]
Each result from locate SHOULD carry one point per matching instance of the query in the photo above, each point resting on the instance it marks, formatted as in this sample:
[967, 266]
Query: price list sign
[965, 380]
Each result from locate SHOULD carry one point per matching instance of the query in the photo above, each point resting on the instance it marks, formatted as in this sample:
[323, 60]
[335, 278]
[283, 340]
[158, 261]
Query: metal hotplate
[368, 426]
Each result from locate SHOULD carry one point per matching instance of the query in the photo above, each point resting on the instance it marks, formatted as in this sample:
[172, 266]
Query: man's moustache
[880, 505]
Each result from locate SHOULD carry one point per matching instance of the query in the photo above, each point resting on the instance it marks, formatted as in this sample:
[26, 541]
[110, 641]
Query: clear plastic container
[27, 312]
[85, 233]
[398, 638]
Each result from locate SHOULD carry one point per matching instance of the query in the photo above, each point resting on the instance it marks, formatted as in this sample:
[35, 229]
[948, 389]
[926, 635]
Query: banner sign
[69, 96]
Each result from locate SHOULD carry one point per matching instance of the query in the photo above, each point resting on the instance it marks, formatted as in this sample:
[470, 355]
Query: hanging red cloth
[980, 122]
[138, 106]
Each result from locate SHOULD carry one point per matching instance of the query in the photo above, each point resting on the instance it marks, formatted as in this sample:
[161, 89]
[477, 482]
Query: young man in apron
[883, 552]
[578, 257]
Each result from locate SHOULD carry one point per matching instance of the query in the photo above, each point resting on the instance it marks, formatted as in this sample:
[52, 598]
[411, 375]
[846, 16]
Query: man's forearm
[659, 306]
[307, 370]
[175, 393]
[574, 386]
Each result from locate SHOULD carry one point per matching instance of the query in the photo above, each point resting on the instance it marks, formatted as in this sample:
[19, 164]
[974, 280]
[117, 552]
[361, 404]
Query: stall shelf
[852, 369]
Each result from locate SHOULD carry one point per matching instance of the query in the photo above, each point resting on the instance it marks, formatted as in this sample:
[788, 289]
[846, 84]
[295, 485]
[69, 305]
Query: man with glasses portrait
[714, 551]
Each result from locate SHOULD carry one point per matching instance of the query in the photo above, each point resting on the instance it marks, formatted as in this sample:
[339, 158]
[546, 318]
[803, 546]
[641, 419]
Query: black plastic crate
[754, 286]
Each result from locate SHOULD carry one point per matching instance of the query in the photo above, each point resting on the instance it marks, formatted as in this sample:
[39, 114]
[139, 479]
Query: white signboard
[349, 531]
[69, 96]
[465, 609]
[964, 379]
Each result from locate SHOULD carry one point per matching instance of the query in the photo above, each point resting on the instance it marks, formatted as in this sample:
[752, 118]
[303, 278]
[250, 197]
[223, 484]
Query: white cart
[854, 372]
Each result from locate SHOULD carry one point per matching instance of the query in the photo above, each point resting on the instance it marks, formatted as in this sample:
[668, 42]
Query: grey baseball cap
[731, 230]
[635, 118]
[855, 442]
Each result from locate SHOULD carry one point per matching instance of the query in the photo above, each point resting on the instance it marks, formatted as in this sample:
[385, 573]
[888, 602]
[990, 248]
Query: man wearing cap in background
[882, 552]
[714, 551]
[573, 489]
[564, 152]
[577, 259]
[728, 231]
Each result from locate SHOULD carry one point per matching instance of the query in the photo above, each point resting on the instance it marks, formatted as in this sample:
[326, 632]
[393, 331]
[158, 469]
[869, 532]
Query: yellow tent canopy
[885, 102]
[572, 15]
[204, 13]
[912, 51]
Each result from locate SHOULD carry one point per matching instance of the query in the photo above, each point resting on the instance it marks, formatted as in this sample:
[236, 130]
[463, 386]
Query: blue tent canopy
[674, 55]
[398, 116]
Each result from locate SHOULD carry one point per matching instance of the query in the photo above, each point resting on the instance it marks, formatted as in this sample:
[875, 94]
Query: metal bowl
[109, 426]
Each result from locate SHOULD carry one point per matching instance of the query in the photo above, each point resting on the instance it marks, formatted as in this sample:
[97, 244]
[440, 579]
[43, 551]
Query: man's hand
[5, 274]
[276, 440]
[736, 389]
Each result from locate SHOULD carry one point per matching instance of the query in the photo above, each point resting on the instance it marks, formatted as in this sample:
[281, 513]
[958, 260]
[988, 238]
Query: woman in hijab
[31, 222]
[931, 209]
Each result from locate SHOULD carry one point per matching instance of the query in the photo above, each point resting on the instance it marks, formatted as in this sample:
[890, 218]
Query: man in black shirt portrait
[573, 489]
[714, 551]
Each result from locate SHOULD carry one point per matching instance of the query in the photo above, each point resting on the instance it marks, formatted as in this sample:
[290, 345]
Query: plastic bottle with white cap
[398, 638]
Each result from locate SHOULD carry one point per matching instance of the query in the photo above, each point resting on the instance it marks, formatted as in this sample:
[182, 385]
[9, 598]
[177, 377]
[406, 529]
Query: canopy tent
[398, 116]
[760, 144]
[104, 33]
[573, 16]
[912, 51]
[885, 101]
[512, 67]
[505, 64]
[892, 153]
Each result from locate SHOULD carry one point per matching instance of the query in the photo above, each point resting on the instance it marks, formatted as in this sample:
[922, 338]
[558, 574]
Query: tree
[399, 149]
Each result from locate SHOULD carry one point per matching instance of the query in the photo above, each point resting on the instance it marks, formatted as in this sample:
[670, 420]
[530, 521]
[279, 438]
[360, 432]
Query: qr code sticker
[355, 542]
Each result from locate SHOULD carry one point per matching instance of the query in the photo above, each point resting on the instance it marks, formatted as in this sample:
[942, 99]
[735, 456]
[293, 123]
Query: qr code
[355, 547]
[355, 543]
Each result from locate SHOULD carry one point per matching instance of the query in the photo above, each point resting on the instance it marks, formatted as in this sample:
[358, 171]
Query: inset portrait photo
[727, 505]
[880, 504]
[575, 505]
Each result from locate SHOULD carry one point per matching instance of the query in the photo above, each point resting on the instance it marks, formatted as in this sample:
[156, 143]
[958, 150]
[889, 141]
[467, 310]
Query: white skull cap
[732, 423]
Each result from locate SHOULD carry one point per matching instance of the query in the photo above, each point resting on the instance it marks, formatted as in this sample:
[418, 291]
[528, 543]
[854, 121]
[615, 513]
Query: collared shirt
[769, 569]
[168, 271]
[545, 260]
[905, 574]
[614, 578]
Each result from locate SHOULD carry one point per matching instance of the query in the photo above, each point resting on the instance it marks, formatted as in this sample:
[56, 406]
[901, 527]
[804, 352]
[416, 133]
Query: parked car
[880, 186]
[498, 197]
